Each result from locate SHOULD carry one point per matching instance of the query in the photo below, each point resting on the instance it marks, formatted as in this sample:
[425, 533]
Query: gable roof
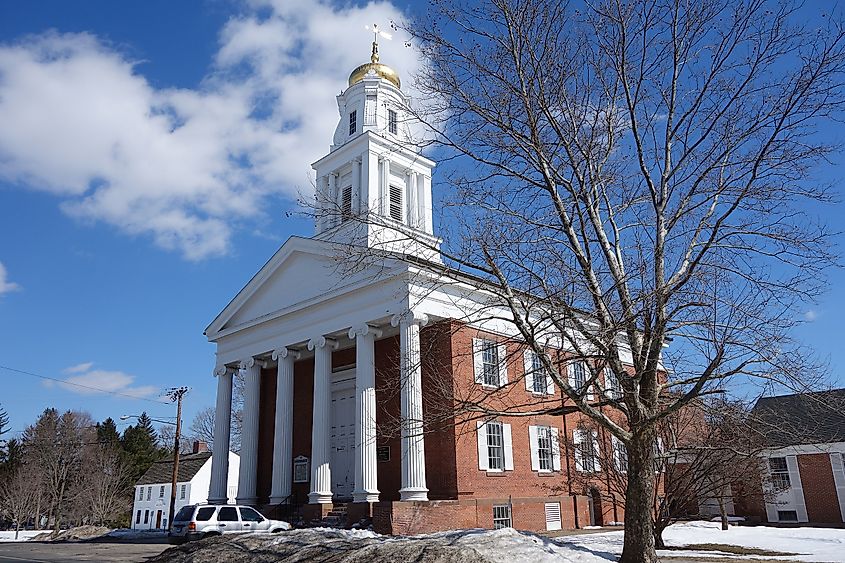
[162, 471]
[801, 419]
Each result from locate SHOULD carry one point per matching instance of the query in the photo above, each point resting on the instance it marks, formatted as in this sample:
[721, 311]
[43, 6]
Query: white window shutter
[481, 431]
[555, 449]
[570, 372]
[527, 358]
[577, 437]
[477, 363]
[839, 480]
[796, 488]
[596, 450]
[503, 364]
[533, 442]
[508, 443]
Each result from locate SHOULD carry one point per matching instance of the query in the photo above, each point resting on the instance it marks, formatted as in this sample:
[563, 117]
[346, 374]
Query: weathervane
[379, 33]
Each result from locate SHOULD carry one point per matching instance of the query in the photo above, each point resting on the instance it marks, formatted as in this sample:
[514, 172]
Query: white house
[152, 491]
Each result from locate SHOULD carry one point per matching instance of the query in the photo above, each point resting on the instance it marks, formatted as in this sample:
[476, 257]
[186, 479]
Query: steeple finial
[374, 56]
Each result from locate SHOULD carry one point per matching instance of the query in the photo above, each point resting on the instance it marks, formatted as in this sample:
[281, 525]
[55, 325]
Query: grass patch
[732, 549]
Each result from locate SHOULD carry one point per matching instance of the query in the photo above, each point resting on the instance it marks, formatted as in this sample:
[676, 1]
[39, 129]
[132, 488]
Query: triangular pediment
[302, 272]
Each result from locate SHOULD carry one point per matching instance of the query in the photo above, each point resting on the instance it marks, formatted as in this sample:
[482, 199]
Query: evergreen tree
[107, 433]
[141, 447]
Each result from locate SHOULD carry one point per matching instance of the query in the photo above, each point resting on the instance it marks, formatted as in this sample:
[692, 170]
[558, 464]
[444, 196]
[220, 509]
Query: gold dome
[378, 68]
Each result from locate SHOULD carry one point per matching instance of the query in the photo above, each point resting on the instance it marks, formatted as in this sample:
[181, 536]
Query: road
[105, 552]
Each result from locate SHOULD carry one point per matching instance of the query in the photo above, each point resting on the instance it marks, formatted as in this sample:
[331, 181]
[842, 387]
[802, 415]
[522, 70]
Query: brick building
[356, 377]
[805, 440]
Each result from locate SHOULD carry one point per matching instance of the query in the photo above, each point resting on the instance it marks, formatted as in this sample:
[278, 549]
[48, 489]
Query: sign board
[300, 469]
[383, 453]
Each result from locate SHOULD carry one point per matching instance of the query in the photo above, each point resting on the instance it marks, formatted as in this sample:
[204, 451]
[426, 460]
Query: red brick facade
[819, 488]
[460, 494]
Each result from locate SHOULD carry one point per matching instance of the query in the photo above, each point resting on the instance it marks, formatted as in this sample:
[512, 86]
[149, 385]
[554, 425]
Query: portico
[335, 452]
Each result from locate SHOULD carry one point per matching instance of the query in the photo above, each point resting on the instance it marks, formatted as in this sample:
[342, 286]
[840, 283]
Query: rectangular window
[205, 513]
[586, 454]
[182, 491]
[620, 455]
[353, 122]
[612, 388]
[544, 447]
[140, 493]
[149, 493]
[227, 514]
[138, 517]
[391, 121]
[787, 516]
[161, 492]
[779, 473]
[346, 202]
[396, 203]
[495, 447]
[501, 516]
[490, 362]
[579, 376]
[539, 380]
[146, 517]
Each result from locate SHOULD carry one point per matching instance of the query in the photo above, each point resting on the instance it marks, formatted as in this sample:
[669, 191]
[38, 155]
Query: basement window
[787, 516]
[502, 516]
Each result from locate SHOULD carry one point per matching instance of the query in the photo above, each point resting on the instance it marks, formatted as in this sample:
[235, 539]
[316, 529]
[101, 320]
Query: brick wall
[819, 488]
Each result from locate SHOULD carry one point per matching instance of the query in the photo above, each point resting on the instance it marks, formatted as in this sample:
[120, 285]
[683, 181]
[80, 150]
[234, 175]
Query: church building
[356, 345]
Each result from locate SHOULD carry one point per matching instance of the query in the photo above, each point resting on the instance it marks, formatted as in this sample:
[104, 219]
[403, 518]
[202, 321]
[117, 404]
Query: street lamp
[174, 394]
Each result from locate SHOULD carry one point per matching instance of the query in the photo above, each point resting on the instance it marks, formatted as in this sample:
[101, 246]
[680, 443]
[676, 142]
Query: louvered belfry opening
[396, 203]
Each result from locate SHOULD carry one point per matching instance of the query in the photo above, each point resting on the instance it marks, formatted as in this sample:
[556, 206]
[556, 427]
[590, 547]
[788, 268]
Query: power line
[62, 381]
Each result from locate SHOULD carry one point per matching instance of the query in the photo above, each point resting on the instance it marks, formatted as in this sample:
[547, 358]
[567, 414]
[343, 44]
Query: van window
[184, 513]
[250, 515]
[227, 514]
[204, 514]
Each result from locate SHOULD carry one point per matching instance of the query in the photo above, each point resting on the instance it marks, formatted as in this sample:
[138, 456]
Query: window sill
[491, 387]
[496, 473]
[544, 473]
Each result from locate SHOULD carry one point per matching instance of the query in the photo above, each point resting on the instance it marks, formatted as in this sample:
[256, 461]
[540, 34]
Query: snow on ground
[24, 535]
[811, 544]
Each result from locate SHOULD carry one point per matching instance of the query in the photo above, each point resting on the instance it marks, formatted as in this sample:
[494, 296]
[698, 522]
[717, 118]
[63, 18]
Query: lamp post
[175, 394]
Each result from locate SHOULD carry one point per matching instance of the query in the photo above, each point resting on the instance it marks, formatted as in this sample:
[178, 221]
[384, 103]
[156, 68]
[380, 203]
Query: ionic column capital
[363, 330]
[250, 362]
[409, 316]
[222, 370]
[284, 352]
[321, 341]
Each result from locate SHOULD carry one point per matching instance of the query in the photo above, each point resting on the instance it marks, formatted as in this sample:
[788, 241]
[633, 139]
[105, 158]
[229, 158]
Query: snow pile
[809, 544]
[23, 535]
[77, 533]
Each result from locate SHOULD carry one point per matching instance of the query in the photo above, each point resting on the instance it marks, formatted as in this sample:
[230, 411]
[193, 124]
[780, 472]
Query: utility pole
[175, 394]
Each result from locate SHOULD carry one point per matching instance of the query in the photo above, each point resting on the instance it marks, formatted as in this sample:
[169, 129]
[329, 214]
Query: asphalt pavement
[93, 551]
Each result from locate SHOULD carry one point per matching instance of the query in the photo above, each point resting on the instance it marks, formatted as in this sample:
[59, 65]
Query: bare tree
[104, 493]
[631, 174]
[202, 427]
[18, 497]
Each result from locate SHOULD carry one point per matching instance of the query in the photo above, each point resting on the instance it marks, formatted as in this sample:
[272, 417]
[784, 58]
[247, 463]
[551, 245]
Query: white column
[413, 215]
[428, 222]
[217, 490]
[333, 217]
[321, 475]
[248, 471]
[366, 470]
[413, 445]
[356, 186]
[384, 189]
[283, 429]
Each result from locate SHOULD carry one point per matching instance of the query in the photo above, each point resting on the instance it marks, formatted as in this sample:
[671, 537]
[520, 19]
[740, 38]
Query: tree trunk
[17, 528]
[723, 513]
[639, 546]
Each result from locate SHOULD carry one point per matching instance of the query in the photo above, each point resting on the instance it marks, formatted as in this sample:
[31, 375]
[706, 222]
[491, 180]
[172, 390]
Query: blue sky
[121, 237]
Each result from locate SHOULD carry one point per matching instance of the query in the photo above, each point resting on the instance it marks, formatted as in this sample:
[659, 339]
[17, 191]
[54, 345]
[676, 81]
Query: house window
[787, 516]
[140, 493]
[391, 121]
[612, 388]
[779, 473]
[495, 447]
[149, 493]
[620, 455]
[138, 517]
[161, 492]
[353, 122]
[579, 376]
[586, 451]
[146, 517]
[501, 516]
[540, 383]
[182, 492]
[544, 448]
[490, 362]
[396, 203]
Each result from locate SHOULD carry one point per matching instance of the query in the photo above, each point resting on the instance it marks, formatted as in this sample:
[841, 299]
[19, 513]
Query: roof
[162, 471]
[801, 419]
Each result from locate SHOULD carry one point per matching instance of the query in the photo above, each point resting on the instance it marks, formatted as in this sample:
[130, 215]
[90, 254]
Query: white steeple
[374, 187]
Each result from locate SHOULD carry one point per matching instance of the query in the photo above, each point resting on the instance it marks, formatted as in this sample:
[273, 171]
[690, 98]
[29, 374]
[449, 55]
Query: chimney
[200, 447]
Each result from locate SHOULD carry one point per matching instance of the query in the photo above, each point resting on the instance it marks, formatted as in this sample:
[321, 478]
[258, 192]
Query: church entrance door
[343, 436]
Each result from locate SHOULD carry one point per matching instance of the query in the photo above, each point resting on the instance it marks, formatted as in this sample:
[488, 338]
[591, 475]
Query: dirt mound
[320, 545]
[78, 533]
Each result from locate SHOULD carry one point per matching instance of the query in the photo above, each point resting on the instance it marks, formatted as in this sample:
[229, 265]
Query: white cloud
[5, 285]
[184, 166]
[811, 315]
[79, 368]
[86, 381]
